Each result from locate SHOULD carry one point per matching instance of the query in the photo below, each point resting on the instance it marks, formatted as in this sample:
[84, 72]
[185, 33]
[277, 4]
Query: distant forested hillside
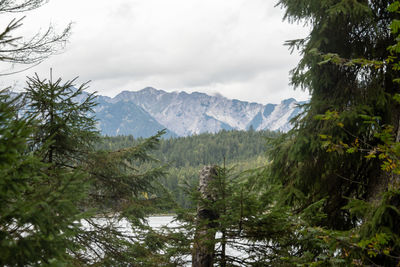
[207, 148]
[186, 155]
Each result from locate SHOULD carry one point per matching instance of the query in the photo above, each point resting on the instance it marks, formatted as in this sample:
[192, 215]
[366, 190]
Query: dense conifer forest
[202, 149]
[185, 156]
[326, 193]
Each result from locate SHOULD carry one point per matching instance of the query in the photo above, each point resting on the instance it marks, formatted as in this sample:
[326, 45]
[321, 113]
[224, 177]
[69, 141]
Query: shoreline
[162, 215]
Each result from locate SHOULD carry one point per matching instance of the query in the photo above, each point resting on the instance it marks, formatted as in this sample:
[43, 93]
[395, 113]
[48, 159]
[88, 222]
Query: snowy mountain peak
[186, 114]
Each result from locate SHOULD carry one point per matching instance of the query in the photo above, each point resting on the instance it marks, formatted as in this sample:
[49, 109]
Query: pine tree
[116, 185]
[346, 87]
[39, 204]
[67, 124]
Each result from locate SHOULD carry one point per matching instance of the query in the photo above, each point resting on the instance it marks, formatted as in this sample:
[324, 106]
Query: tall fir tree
[39, 204]
[337, 67]
[64, 202]
[66, 120]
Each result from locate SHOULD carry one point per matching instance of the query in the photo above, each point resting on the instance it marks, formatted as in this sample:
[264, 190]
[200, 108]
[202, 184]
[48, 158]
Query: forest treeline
[185, 156]
[202, 149]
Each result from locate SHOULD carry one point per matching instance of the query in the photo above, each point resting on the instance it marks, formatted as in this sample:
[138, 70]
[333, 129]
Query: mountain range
[142, 113]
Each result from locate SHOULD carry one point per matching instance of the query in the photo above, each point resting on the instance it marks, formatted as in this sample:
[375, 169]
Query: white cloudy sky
[233, 47]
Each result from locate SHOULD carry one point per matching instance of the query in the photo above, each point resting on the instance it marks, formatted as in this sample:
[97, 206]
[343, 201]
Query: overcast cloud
[233, 47]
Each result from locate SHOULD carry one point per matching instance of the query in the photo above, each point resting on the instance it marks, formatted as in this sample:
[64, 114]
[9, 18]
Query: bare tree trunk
[385, 179]
[204, 242]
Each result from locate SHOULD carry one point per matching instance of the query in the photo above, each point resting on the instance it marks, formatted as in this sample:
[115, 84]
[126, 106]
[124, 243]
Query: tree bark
[204, 242]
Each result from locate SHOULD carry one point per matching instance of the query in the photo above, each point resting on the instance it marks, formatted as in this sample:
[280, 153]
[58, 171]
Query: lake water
[157, 222]
[160, 221]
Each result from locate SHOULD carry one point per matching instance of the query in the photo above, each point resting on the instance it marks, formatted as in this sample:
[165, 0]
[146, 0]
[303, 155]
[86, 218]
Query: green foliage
[202, 149]
[128, 180]
[39, 211]
[62, 201]
[344, 148]
[63, 122]
[235, 203]
[186, 156]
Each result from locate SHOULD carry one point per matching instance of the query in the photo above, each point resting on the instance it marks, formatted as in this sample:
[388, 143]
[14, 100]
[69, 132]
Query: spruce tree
[39, 204]
[118, 186]
[346, 87]
[65, 118]
[62, 202]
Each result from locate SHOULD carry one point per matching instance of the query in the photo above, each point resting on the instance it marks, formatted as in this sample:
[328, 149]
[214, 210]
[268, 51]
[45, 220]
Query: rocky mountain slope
[142, 113]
